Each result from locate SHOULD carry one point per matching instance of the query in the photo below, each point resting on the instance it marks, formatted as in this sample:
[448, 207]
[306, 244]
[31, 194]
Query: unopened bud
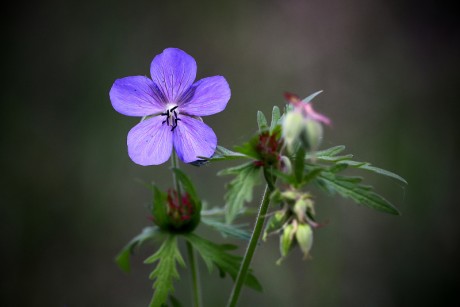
[293, 125]
[286, 239]
[301, 206]
[311, 135]
[285, 164]
[304, 237]
[275, 222]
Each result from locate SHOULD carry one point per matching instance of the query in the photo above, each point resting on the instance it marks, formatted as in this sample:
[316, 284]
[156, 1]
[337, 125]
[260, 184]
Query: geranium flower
[171, 105]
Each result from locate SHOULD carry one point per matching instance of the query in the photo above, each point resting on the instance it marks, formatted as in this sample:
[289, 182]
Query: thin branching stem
[250, 249]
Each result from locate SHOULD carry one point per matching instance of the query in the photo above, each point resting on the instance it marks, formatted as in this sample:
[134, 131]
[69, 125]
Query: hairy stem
[250, 249]
[194, 275]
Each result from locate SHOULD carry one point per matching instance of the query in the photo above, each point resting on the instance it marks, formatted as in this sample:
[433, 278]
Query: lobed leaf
[239, 190]
[350, 187]
[217, 255]
[166, 271]
[147, 234]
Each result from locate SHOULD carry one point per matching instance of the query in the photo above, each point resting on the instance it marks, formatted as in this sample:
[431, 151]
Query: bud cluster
[294, 222]
[268, 148]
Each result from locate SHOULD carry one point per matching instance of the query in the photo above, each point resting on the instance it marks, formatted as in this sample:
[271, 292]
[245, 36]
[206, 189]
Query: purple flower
[172, 105]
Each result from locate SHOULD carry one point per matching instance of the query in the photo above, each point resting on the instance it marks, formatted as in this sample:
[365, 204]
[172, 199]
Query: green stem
[251, 249]
[195, 277]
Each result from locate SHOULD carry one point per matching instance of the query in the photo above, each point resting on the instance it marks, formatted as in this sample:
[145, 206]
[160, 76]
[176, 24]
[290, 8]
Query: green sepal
[276, 115]
[310, 97]
[159, 208]
[262, 121]
[217, 255]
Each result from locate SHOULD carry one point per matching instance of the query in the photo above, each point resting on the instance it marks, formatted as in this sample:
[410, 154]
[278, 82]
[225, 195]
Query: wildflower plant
[284, 155]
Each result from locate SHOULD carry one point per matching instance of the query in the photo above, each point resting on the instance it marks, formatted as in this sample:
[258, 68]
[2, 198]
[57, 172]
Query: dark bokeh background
[69, 195]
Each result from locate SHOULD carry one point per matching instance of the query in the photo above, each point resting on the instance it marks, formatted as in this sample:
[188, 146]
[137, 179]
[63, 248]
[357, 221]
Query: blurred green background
[70, 198]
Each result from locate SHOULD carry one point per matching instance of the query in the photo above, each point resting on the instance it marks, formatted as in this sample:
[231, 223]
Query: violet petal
[136, 96]
[150, 142]
[173, 71]
[193, 138]
[209, 96]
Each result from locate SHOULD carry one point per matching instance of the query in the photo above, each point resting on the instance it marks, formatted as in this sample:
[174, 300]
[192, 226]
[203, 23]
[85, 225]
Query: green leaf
[222, 154]
[165, 271]
[276, 114]
[235, 231]
[147, 234]
[217, 255]
[330, 152]
[310, 98]
[239, 190]
[350, 187]
[299, 164]
[261, 121]
[249, 148]
[330, 155]
[368, 167]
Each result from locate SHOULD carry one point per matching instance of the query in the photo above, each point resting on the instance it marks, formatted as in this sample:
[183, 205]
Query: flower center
[171, 117]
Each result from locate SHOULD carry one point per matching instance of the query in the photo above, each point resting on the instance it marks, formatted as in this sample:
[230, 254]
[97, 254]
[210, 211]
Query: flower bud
[293, 125]
[286, 239]
[311, 135]
[175, 214]
[285, 165]
[301, 206]
[275, 222]
[304, 237]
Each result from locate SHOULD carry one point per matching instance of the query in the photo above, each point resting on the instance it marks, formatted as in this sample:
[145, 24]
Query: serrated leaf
[166, 270]
[276, 114]
[222, 154]
[235, 231]
[310, 98]
[330, 155]
[216, 255]
[330, 152]
[147, 234]
[261, 121]
[239, 190]
[368, 167]
[350, 187]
